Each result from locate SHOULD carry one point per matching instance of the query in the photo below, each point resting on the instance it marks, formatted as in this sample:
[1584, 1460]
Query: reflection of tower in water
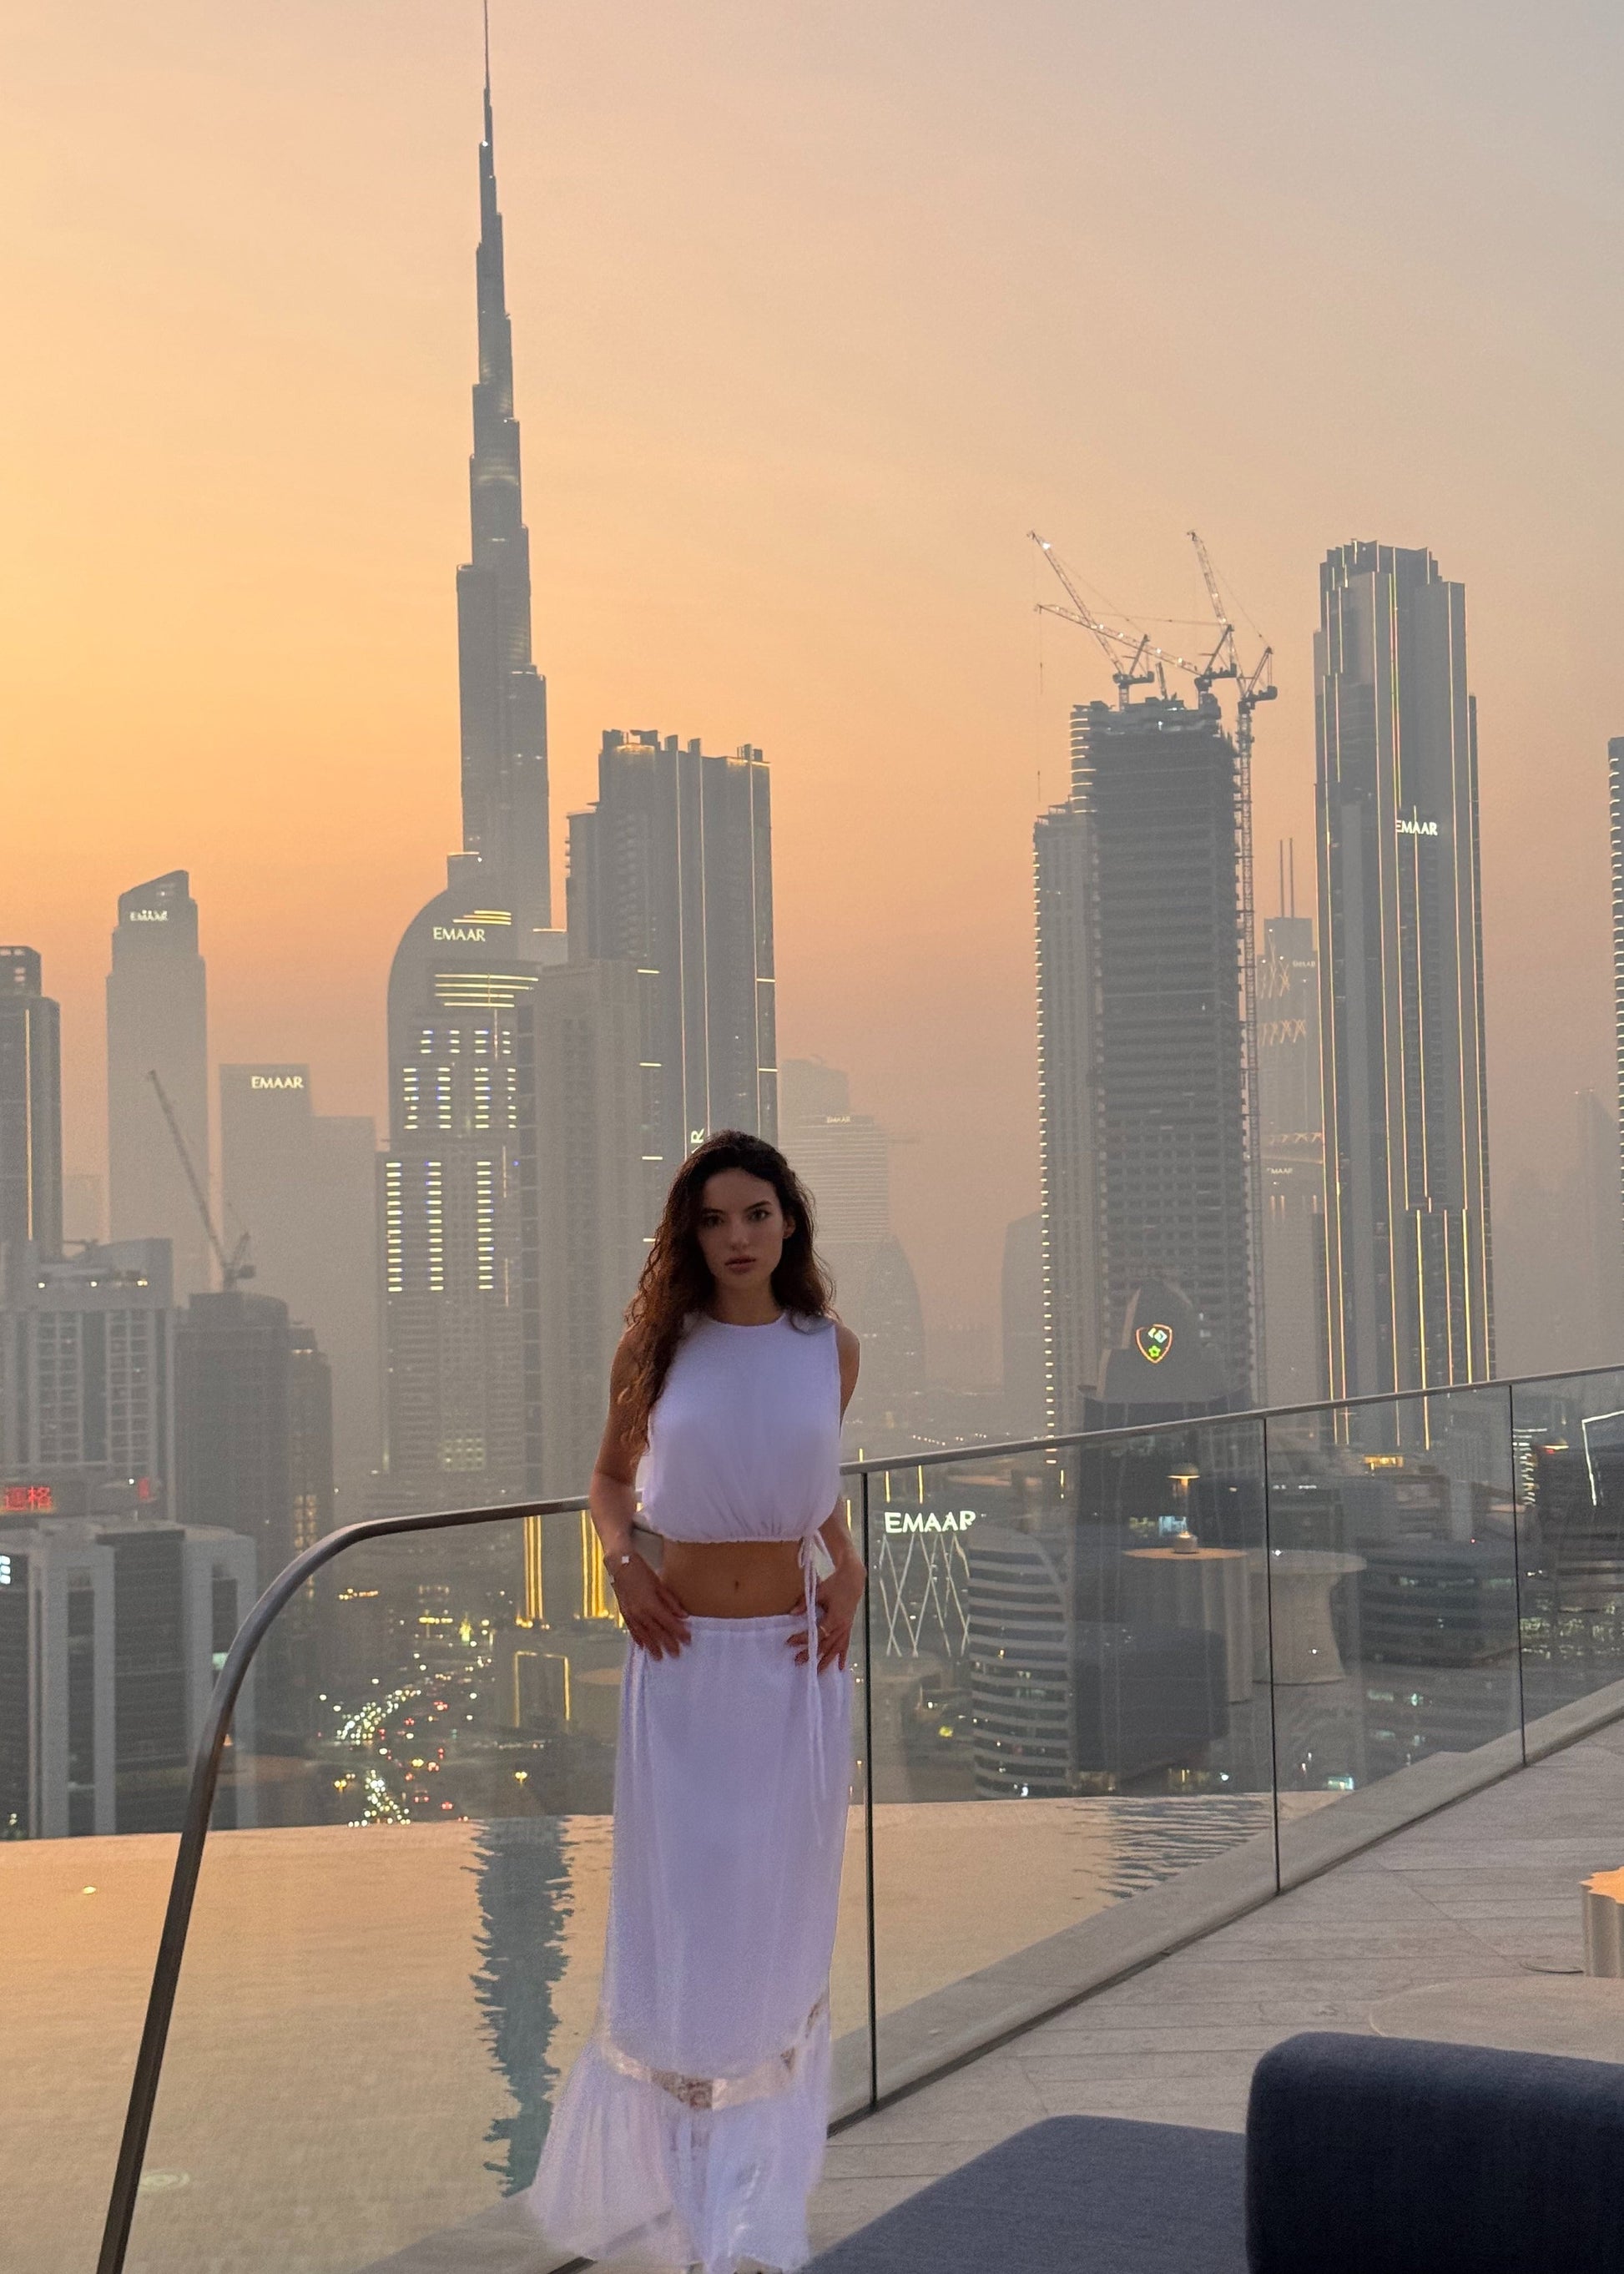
[524, 1887]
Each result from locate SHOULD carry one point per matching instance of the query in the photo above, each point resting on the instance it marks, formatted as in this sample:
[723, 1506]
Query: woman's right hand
[655, 1620]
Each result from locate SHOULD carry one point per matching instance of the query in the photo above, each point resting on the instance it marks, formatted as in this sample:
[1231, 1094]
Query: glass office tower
[671, 872]
[1292, 1145]
[30, 1108]
[1409, 1299]
[157, 1022]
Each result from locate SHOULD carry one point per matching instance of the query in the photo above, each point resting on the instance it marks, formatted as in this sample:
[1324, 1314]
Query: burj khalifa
[504, 697]
[451, 1204]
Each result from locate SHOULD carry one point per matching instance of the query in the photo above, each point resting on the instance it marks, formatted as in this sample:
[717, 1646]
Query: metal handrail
[194, 1830]
[879, 1464]
[228, 1687]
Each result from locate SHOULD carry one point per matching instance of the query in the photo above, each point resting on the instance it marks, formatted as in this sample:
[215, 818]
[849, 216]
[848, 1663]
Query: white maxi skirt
[691, 2131]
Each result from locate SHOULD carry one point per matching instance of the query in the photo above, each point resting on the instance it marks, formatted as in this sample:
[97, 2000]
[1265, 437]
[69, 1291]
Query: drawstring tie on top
[816, 1563]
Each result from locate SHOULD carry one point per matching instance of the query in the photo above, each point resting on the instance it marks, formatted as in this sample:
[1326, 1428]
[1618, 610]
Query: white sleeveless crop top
[744, 1441]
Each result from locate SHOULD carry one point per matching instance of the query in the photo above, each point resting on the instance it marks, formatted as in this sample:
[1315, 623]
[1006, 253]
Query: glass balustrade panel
[1568, 1437]
[1071, 1719]
[1393, 1608]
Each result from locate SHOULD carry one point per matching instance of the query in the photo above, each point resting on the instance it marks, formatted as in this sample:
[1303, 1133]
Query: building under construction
[1141, 1037]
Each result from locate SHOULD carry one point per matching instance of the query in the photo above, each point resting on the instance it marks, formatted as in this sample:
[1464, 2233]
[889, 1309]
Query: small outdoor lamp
[1184, 1541]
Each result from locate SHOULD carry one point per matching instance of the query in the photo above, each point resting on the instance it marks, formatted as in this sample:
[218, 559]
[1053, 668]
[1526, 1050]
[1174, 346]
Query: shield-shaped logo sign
[1153, 1342]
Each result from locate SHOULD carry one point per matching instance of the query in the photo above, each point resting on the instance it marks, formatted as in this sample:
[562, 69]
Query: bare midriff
[734, 1578]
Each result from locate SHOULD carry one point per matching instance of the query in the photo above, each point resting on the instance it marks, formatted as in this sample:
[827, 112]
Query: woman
[690, 2131]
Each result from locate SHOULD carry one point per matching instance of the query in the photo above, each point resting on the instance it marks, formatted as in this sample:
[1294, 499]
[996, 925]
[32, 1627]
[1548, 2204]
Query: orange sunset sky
[817, 308]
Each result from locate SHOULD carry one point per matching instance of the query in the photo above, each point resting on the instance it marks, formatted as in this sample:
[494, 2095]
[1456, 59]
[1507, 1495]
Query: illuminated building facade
[671, 872]
[451, 1217]
[1408, 1291]
[1140, 1093]
[1021, 1320]
[86, 1369]
[1291, 1137]
[157, 1020]
[30, 1107]
[309, 1435]
[110, 1637]
[303, 1186]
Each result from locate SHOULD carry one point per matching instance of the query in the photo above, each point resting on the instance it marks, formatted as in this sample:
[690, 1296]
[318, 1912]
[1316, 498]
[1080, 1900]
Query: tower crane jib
[235, 1266]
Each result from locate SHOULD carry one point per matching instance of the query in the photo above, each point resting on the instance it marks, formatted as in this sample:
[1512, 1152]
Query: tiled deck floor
[1486, 1891]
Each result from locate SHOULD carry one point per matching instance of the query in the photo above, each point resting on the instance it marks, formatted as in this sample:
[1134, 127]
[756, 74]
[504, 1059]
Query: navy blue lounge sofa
[1361, 2156]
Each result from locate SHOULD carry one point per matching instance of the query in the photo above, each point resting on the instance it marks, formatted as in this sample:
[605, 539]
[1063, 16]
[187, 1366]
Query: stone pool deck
[1466, 1925]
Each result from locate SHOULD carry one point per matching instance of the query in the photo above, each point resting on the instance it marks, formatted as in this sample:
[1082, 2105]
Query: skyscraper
[304, 1186]
[253, 1452]
[86, 1370]
[1410, 1301]
[503, 696]
[157, 1020]
[843, 1157]
[582, 1170]
[1292, 1141]
[1021, 1323]
[845, 1160]
[233, 1434]
[451, 1213]
[1139, 1040]
[671, 872]
[111, 1634]
[30, 1107]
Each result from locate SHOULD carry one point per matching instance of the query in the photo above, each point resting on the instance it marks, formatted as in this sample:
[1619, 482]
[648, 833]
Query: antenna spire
[486, 15]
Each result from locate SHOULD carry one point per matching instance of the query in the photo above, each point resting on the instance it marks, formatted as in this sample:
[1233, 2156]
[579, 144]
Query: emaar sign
[915, 1519]
[1411, 825]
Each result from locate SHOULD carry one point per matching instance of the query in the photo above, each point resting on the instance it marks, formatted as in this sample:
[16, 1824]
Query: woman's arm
[654, 1617]
[838, 1595]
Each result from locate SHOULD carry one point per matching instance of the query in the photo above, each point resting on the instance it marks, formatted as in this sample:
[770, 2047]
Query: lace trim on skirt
[777, 2074]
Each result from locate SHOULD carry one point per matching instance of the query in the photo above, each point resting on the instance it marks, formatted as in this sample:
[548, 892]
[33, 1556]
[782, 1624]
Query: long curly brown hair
[676, 1280]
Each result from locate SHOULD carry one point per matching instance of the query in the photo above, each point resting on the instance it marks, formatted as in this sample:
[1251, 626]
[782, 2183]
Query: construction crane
[236, 1266]
[1144, 651]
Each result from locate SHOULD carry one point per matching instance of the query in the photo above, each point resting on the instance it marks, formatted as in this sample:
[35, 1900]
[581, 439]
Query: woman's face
[742, 1229]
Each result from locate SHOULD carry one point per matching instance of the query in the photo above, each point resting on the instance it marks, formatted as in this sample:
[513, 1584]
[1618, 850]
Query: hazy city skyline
[771, 495]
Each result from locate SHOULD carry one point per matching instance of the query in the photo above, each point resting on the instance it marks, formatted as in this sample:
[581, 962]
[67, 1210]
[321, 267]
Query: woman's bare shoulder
[848, 1344]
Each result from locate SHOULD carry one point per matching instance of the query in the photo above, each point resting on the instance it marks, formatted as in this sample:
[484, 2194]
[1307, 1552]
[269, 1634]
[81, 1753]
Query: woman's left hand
[837, 1599]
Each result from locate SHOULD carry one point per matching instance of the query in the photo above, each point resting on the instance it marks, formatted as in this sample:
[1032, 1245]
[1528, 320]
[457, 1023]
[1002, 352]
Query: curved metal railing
[194, 1829]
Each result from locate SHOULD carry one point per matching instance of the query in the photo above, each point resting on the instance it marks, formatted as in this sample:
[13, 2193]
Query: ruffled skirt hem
[633, 2176]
